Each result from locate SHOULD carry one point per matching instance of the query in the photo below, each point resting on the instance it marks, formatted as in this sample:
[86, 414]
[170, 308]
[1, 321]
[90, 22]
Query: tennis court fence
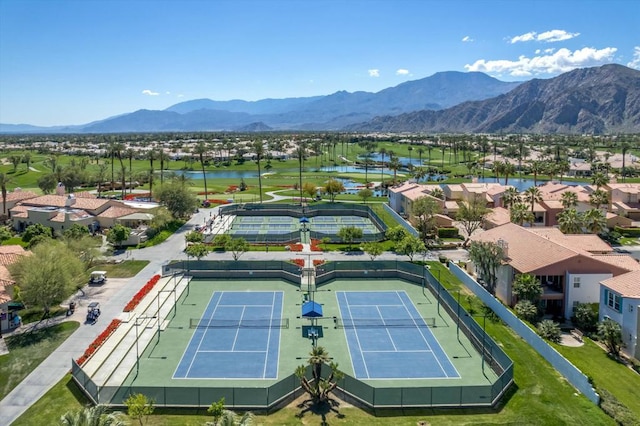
[235, 269]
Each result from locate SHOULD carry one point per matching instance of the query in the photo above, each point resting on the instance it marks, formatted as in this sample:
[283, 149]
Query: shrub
[628, 232]
[549, 330]
[448, 232]
[615, 409]
[584, 317]
[526, 311]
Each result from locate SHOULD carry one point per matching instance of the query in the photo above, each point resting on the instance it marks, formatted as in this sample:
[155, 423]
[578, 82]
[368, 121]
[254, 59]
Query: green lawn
[540, 396]
[606, 373]
[27, 351]
[126, 269]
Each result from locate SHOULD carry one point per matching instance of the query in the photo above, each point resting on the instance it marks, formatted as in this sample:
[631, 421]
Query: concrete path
[53, 369]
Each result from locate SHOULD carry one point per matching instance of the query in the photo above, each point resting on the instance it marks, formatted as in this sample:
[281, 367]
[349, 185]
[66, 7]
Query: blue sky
[75, 61]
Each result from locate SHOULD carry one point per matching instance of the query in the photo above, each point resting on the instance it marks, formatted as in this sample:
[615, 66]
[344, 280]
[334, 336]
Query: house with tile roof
[568, 267]
[620, 301]
[14, 197]
[625, 199]
[60, 212]
[8, 255]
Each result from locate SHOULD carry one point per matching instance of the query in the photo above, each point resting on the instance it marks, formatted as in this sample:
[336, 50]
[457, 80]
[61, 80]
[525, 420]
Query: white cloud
[547, 36]
[180, 96]
[556, 35]
[524, 37]
[149, 93]
[635, 63]
[168, 93]
[467, 39]
[561, 61]
[402, 72]
[374, 73]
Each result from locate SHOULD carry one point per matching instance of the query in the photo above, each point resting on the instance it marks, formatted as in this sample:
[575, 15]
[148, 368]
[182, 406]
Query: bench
[577, 334]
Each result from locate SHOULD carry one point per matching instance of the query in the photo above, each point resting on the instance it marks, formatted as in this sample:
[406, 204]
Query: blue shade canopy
[304, 220]
[311, 309]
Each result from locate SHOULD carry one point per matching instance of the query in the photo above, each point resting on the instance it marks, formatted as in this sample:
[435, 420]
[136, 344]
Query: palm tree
[599, 179]
[437, 193]
[200, 149]
[258, 147]
[92, 416]
[300, 150]
[570, 221]
[598, 198]
[498, 167]
[130, 154]
[532, 195]
[594, 220]
[162, 156]
[420, 152]
[536, 168]
[519, 214]
[625, 147]
[382, 151]
[508, 170]
[369, 147]
[4, 181]
[394, 164]
[151, 155]
[511, 196]
[101, 174]
[569, 199]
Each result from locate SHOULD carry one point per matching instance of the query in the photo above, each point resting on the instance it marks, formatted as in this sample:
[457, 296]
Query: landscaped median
[137, 298]
[102, 337]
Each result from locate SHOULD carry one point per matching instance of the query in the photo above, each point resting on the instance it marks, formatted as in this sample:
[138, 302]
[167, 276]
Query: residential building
[569, 267]
[620, 301]
[8, 255]
[625, 199]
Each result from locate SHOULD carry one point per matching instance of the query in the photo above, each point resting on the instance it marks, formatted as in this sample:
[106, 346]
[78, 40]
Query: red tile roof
[627, 285]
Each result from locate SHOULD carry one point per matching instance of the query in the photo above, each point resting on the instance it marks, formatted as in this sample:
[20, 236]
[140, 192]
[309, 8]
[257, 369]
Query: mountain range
[595, 100]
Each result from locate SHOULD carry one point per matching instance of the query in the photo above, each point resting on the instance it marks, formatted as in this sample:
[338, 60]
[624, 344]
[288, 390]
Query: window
[614, 301]
[576, 282]
[630, 307]
[575, 305]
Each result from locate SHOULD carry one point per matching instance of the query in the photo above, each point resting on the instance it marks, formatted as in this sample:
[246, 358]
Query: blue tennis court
[238, 337]
[388, 339]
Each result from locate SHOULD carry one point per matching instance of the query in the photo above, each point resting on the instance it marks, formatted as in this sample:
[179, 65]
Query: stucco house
[60, 212]
[620, 301]
[8, 255]
[568, 267]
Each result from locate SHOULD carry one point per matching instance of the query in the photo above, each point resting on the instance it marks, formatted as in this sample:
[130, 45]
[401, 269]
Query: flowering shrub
[102, 337]
[232, 188]
[315, 245]
[299, 262]
[130, 197]
[218, 201]
[318, 262]
[295, 247]
[141, 293]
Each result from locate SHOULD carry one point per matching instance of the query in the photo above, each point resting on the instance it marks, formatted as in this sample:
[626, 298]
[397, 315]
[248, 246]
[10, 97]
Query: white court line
[215, 308]
[420, 329]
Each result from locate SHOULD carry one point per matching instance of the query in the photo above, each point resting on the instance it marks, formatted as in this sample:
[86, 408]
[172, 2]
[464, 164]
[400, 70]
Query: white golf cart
[98, 277]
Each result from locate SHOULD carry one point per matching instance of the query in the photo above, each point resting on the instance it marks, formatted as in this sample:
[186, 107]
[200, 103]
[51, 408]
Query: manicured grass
[15, 241]
[540, 396]
[606, 373]
[27, 351]
[126, 269]
[64, 396]
[159, 238]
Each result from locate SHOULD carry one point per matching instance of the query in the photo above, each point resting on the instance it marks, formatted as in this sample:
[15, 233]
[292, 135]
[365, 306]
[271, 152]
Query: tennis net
[384, 322]
[239, 323]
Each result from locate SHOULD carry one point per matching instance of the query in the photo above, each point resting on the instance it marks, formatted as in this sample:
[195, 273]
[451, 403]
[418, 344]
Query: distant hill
[595, 100]
[331, 112]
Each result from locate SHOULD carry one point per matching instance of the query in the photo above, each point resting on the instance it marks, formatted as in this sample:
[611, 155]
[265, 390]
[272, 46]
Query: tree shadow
[319, 408]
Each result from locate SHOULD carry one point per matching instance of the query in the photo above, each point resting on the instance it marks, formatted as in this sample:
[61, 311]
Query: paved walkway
[53, 369]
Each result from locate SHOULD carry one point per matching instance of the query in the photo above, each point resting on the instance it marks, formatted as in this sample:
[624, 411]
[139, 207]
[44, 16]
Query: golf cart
[98, 277]
[93, 312]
